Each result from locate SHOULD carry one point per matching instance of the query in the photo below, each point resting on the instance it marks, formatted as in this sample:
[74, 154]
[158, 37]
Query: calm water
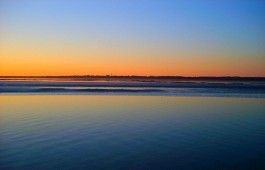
[131, 132]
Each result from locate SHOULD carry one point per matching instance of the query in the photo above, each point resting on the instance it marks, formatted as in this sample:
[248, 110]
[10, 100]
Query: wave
[245, 89]
[50, 90]
[134, 84]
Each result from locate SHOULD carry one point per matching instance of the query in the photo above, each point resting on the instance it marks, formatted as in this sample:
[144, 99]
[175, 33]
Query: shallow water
[131, 132]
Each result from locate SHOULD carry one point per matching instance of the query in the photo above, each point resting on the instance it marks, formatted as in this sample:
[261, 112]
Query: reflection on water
[131, 132]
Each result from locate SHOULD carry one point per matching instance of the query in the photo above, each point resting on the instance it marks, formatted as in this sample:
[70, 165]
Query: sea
[132, 124]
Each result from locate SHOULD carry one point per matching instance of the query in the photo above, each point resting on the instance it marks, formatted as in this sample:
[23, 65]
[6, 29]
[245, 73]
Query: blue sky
[234, 27]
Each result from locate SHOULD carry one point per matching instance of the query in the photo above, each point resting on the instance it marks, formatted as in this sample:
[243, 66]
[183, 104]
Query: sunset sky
[132, 37]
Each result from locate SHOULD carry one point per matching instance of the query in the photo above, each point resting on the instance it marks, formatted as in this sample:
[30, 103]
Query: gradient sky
[132, 37]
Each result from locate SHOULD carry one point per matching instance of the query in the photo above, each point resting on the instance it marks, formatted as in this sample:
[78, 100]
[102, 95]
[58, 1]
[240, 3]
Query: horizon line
[150, 76]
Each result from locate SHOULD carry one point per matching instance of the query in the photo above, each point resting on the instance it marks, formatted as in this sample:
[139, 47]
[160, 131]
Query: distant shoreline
[109, 77]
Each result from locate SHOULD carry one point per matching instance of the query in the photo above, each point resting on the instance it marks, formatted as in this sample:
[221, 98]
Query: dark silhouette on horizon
[135, 77]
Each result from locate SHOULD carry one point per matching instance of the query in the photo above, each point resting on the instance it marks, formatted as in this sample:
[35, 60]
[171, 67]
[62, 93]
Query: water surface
[131, 132]
[162, 87]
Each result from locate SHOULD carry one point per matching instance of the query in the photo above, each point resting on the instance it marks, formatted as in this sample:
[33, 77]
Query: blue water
[43, 131]
[254, 89]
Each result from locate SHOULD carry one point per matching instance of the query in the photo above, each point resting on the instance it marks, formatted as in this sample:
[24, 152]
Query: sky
[132, 37]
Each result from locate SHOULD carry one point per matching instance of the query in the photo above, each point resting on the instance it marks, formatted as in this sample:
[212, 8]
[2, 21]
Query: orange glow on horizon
[147, 38]
[158, 67]
[35, 60]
